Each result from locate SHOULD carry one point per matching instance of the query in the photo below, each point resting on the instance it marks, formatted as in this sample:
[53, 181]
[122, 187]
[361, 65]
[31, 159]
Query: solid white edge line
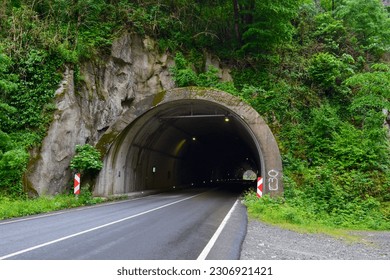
[93, 229]
[213, 239]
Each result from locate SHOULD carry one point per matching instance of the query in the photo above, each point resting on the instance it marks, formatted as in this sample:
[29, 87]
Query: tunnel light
[227, 119]
[179, 146]
[193, 138]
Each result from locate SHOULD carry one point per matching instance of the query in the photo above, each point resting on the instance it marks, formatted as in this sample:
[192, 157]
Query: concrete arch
[187, 136]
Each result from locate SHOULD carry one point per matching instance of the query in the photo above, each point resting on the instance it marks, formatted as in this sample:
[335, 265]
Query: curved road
[176, 225]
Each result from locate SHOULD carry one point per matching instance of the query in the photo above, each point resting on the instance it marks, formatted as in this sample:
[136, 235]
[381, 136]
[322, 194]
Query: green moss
[28, 187]
[158, 98]
[105, 141]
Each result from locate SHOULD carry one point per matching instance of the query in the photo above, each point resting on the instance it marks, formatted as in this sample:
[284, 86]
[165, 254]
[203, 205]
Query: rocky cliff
[106, 88]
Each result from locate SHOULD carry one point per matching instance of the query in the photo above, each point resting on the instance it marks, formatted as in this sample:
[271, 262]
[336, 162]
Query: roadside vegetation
[12, 207]
[318, 71]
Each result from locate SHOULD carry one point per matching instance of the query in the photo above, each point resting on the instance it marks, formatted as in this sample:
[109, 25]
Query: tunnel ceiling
[199, 122]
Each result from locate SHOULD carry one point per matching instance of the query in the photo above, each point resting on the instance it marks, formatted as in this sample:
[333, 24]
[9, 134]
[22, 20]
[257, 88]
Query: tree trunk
[236, 21]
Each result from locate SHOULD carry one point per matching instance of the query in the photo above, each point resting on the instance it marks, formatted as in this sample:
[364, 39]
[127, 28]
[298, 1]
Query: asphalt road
[165, 226]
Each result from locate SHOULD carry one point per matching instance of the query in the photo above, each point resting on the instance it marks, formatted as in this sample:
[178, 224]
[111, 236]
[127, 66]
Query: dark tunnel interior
[190, 142]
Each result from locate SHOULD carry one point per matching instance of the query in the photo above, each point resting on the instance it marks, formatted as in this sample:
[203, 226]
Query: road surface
[190, 224]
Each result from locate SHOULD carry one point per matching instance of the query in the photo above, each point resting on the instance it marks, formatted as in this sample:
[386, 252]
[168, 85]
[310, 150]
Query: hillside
[317, 71]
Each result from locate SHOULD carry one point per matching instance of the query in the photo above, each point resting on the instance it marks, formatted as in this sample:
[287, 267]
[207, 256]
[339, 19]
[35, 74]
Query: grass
[12, 208]
[301, 218]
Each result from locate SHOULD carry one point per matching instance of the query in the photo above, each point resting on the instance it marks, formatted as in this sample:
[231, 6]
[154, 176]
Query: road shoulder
[268, 242]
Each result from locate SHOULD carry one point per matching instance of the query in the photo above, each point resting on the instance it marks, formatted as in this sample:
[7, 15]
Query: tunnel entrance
[190, 142]
[190, 137]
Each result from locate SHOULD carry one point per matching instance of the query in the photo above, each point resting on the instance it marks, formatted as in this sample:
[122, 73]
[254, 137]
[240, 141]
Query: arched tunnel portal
[188, 137]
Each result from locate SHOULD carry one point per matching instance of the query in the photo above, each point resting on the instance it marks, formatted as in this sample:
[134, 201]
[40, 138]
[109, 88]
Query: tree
[237, 20]
[267, 24]
[368, 22]
[13, 163]
[371, 91]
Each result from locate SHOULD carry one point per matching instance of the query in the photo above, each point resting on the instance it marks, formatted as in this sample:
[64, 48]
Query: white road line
[213, 239]
[93, 229]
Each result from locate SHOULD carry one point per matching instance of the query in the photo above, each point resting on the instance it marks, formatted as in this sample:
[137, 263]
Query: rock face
[105, 91]
[133, 71]
[48, 171]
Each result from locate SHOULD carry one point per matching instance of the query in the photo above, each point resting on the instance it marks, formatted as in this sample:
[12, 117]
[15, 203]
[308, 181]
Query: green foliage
[87, 159]
[7, 112]
[373, 85]
[38, 80]
[5, 142]
[371, 92]
[324, 123]
[325, 108]
[330, 32]
[323, 208]
[11, 207]
[267, 24]
[324, 70]
[183, 74]
[12, 165]
[369, 23]
[7, 80]
[360, 149]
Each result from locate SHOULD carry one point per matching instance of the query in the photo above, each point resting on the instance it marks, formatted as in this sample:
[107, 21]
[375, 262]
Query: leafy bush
[360, 149]
[12, 165]
[267, 25]
[324, 70]
[87, 159]
[184, 74]
[368, 22]
[330, 31]
[5, 143]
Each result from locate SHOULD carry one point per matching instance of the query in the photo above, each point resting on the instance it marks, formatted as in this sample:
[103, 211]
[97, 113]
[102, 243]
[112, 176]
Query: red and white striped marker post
[76, 189]
[259, 187]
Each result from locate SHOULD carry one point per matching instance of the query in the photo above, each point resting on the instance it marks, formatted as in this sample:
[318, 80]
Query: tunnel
[189, 137]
